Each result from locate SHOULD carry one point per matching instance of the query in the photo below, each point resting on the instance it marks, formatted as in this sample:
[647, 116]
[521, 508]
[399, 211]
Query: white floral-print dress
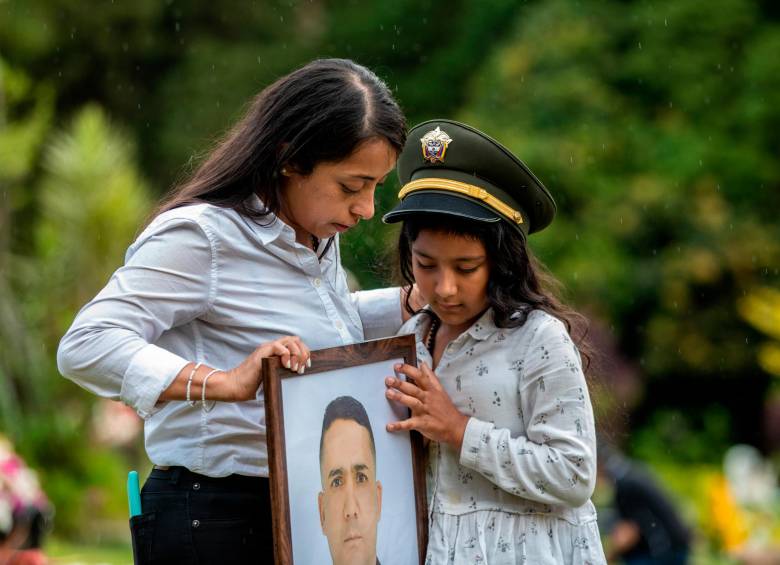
[519, 490]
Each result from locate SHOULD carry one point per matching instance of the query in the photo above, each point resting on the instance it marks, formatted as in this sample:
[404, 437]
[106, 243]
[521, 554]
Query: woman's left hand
[433, 413]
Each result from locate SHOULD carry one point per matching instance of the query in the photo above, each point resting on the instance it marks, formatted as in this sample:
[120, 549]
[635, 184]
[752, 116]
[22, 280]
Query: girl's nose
[446, 285]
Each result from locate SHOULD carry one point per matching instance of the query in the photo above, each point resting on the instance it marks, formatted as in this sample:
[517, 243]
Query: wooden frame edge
[323, 360]
[277, 471]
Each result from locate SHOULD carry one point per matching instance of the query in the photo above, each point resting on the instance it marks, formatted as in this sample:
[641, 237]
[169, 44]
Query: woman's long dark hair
[518, 282]
[319, 113]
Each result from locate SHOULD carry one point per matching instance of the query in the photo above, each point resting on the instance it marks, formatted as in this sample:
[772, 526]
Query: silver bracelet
[203, 392]
[189, 384]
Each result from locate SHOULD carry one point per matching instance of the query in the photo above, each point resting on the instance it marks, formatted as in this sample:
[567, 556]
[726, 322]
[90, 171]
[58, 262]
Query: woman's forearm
[217, 386]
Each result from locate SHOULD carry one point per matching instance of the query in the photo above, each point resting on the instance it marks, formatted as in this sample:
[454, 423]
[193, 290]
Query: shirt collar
[269, 228]
[481, 329]
[484, 327]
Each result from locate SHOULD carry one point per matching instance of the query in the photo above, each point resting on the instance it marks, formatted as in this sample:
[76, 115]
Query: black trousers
[193, 519]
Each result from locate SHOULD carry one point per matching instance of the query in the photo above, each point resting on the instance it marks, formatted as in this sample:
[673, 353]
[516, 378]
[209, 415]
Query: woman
[512, 455]
[240, 263]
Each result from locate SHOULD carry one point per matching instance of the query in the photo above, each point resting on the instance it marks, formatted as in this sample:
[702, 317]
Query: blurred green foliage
[654, 124]
[676, 436]
[639, 118]
[73, 198]
[761, 308]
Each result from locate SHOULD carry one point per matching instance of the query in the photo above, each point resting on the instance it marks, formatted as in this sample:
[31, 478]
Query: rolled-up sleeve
[168, 279]
[554, 462]
[379, 310]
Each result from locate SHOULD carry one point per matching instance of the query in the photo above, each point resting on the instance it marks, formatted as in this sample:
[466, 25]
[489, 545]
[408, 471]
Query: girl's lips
[341, 227]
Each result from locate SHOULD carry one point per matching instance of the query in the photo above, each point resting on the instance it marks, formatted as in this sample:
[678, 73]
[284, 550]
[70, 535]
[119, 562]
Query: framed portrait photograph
[343, 489]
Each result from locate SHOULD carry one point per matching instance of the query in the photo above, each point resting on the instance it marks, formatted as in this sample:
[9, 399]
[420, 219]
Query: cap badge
[434, 145]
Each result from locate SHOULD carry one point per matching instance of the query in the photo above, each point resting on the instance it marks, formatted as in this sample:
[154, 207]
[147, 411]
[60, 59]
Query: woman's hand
[243, 381]
[240, 383]
[433, 413]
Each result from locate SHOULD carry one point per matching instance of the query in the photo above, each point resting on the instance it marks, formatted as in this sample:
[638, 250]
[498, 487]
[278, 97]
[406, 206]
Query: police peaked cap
[450, 168]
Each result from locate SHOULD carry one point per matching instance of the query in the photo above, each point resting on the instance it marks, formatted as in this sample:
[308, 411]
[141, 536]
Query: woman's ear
[281, 154]
[287, 170]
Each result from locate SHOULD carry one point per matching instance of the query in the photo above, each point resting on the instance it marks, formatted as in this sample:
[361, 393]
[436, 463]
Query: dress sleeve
[379, 310]
[168, 279]
[554, 462]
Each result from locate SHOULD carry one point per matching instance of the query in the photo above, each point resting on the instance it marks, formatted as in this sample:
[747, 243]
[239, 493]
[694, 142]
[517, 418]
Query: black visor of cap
[434, 202]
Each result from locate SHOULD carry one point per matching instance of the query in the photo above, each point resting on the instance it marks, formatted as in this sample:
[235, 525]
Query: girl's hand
[433, 413]
[244, 380]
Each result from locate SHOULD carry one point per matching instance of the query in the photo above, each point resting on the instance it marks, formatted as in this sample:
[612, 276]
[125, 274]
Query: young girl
[500, 390]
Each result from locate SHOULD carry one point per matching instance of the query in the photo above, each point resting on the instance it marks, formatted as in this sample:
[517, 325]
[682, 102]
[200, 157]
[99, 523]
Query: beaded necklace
[431, 342]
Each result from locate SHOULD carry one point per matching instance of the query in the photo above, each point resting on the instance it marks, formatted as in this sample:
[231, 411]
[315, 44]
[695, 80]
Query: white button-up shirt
[206, 284]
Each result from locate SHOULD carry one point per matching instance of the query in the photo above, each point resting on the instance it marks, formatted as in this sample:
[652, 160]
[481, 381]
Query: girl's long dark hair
[319, 113]
[518, 283]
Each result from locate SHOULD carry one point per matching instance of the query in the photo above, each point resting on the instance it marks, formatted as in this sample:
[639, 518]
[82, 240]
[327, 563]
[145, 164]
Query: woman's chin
[328, 231]
[340, 228]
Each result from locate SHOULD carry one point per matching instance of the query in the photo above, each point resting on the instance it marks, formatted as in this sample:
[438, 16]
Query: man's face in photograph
[351, 499]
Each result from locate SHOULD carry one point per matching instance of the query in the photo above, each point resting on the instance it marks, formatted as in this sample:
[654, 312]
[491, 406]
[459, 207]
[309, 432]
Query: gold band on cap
[458, 187]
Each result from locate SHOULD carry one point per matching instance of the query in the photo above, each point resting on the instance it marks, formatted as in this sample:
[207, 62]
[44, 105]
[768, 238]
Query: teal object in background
[133, 493]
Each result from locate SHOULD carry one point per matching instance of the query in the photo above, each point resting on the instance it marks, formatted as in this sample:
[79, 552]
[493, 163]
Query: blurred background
[655, 124]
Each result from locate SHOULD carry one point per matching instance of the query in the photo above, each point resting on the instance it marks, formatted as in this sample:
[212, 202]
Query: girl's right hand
[247, 378]
[433, 413]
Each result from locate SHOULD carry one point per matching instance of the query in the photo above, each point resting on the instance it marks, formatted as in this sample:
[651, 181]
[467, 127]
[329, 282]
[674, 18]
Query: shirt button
[317, 282]
[195, 523]
[339, 325]
[196, 486]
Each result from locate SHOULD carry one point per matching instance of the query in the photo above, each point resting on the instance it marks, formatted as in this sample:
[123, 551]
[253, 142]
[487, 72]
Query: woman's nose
[364, 206]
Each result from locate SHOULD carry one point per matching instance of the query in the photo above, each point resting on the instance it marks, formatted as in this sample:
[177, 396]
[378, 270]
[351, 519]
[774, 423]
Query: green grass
[68, 553]
[63, 552]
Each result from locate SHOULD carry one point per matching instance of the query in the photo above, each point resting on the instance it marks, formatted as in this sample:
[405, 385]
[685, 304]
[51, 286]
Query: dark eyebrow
[336, 472]
[360, 467]
[473, 258]
[369, 178]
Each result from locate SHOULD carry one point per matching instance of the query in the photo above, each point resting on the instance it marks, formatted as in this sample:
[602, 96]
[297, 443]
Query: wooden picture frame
[338, 364]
